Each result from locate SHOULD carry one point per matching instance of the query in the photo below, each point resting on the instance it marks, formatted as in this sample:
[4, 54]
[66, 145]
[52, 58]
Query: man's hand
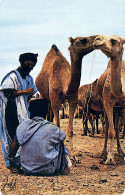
[29, 90]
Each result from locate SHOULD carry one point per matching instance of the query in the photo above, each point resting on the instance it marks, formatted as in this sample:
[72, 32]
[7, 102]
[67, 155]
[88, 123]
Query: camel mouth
[98, 42]
[102, 47]
[98, 45]
[107, 52]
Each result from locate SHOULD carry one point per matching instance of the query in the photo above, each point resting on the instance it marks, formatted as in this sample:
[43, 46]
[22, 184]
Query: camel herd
[59, 81]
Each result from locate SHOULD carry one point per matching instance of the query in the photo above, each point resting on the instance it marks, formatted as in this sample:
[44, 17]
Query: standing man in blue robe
[16, 89]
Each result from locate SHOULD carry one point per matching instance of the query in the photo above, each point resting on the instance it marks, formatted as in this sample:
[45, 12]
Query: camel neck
[116, 85]
[76, 62]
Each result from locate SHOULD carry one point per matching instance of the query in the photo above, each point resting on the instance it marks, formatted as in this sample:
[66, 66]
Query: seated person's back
[42, 149]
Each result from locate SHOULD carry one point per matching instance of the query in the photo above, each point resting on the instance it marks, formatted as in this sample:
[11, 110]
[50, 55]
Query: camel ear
[123, 40]
[71, 40]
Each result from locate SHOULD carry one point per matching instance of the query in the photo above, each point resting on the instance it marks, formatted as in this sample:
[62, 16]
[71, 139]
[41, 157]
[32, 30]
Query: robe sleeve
[10, 82]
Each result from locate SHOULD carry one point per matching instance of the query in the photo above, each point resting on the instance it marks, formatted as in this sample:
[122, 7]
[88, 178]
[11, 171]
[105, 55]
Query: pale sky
[34, 25]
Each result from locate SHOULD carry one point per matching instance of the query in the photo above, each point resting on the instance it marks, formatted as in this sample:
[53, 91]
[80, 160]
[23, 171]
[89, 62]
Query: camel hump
[55, 48]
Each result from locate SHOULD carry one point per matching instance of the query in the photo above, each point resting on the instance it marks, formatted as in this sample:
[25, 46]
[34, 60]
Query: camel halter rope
[87, 100]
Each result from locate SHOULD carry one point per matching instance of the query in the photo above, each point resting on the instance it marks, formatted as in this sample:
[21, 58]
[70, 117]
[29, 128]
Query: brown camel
[111, 87]
[58, 80]
[91, 103]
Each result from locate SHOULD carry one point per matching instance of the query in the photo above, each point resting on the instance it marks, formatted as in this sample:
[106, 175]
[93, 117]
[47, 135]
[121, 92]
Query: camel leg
[70, 123]
[72, 107]
[70, 133]
[56, 116]
[97, 120]
[123, 135]
[104, 151]
[103, 122]
[63, 113]
[50, 114]
[55, 105]
[110, 156]
[120, 152]
[91, 120]
[85, 125]
[85, 122]
[111, 132]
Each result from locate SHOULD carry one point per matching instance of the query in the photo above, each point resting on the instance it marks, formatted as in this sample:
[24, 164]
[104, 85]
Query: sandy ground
[88, 176]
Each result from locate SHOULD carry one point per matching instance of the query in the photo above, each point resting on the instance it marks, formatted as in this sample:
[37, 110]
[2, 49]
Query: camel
[119, 118]
[91, 103]
[64, 109]
[78, 112]
[58, 80]
[111, 86]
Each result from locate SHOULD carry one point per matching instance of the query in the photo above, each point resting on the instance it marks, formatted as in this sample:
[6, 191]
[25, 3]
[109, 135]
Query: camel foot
[88, 131]
[91, 135]
[123, 136]
[68, 138]
[98, 155]
[76, 159]
[103, 155]
[110, 162]
[84, 134]
[110, 159]
[121, 153]
[70, 134]
[73, 160]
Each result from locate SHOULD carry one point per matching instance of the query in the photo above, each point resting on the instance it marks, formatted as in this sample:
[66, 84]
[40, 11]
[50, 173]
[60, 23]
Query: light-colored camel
[58, 80]
[90, 101]
[111, 86]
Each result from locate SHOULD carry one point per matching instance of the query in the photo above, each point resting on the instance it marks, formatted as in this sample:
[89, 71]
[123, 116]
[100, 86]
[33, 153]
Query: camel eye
[113, 42]
[83, 41]
[97, 39]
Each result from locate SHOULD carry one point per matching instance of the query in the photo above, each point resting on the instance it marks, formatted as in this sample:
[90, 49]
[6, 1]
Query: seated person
[42, 150]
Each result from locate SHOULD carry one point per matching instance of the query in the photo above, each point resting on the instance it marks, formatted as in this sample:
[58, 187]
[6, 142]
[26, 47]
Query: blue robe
[42, 151]
[13, 80]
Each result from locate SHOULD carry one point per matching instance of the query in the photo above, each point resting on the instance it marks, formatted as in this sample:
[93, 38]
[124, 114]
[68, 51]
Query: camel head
[111, 46]
[82, 45]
